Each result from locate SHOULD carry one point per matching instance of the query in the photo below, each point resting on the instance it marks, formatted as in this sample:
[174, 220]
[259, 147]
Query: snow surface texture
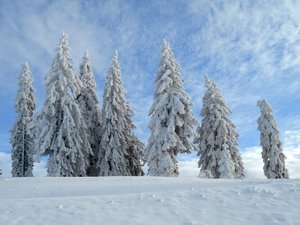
[147, 200]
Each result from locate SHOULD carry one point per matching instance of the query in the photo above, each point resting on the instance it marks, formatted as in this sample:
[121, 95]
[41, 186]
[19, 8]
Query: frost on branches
[273, 157]
[120, 150]
[226, 165]
[89, 106]
[22, 148]
[60, 129]
[135, 150]
[218, 149]
[172, 121]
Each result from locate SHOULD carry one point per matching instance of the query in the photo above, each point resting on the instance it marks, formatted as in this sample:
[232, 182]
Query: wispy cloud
[251, 50]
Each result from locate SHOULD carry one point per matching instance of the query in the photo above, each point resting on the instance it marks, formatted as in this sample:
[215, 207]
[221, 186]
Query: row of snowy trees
[70, 129]
[81, 140]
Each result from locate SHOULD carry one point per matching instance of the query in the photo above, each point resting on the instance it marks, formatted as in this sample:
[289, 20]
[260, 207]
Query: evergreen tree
[135, 149]
[113, 152]
[218, 149]
[90, 111]
[22, 148]
[60, 129]
[172, 121]
[135, 156]
[273, 157]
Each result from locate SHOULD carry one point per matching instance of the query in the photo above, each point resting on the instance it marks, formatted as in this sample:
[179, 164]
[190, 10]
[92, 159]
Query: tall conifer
[272, 153]
[218, 147]
[60, 129]
[89, 106]
[22, 143]
[172, 120]
[114, 145]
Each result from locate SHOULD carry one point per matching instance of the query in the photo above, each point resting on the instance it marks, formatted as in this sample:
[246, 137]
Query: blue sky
[251, 49]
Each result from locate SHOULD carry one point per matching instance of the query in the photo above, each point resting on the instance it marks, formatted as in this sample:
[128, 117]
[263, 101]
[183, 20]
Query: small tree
[89, 106]
[114, 145]
[218, 149]
[60, 129]
[172, 121]
[273, 157]
[22, 148]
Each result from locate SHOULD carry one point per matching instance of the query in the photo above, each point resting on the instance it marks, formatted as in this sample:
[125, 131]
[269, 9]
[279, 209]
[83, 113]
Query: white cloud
[293, 162]
[5, 164]
[253, 163]
[251, 50]
[291, 139]
[189, 168]
[34, 30]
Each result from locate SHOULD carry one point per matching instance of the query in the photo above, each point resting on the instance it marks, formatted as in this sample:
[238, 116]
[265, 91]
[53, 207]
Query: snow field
[147, 200]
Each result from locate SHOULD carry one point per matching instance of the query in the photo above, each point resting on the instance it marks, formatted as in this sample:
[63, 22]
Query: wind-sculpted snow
[147, 200]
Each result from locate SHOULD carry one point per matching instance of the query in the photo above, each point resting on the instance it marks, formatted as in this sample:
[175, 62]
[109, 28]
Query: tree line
[80, 138]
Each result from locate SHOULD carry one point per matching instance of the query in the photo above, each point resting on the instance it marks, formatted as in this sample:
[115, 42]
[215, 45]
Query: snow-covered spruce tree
[273, 157]
[60, 129]
[135, 156]
[22, 144]
[172, 121]
[113, 152]
[218, 149]
[89, 106]
[135, 149]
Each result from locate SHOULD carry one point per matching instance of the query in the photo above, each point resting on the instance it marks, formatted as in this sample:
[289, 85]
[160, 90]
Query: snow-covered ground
[148, 200]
